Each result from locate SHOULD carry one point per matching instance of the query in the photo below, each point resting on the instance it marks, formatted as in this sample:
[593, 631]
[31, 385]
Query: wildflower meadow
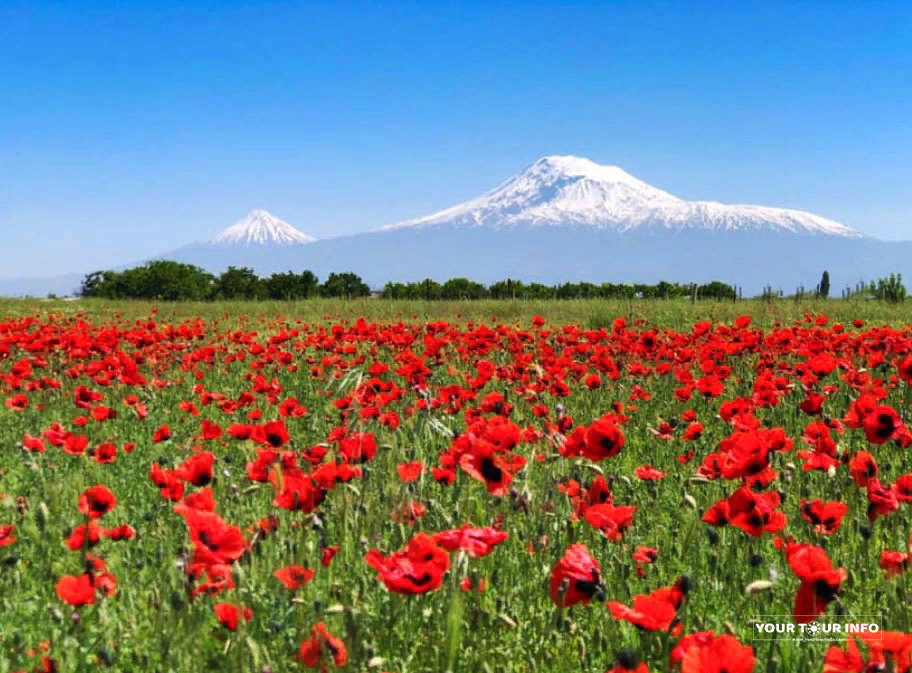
[481, 488]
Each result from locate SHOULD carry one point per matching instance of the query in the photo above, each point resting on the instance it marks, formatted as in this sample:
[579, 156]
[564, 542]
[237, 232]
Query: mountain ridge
[573, 191]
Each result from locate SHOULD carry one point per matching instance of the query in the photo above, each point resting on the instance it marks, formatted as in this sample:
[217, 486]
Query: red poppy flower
[162, 434]
[215, 542]
[812, 405]
[210, 431]
[754, 513]
[826, 517]
[358, 448]
[881, 648]
[321, 649]
[275, 434]
[862, 467]
[645, 555]
[443, 475]
[197, 469]
[17, 403]
[6, 535]
[327, 555]
[96, 501]
[612, 521]
[101, 414]
[882, 500]
[33, 444]
[894, 562]
[881, 425]
[649, 473]
[299, 492]
[603, 440]
[417, 570]
[576, 577]
[655, 611]
[76, 591]
[494, 468]
[75, 445]
[820, 582]
[722, 654]
[122, 532]
[409, 472]
[476, 542]
[902, 488]
[294, 576]
[201, 500]
[229, 615]
[77, 539]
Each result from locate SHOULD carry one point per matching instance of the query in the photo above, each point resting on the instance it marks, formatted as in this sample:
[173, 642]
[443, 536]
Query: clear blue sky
[131, 128]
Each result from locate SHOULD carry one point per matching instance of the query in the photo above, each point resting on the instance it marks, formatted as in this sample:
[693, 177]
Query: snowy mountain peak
[569, 166]
[574, 191]
[261, 228]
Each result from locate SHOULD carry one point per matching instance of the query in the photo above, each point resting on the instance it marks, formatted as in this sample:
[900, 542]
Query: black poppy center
[490, 471]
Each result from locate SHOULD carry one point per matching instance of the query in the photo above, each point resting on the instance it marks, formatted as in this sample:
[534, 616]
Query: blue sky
[131, 128]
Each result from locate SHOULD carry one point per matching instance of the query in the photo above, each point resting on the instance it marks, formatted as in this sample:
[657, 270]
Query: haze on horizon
[126, 133]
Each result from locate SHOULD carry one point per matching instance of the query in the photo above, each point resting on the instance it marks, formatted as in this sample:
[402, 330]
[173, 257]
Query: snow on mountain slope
[261, 228]
[567, 190]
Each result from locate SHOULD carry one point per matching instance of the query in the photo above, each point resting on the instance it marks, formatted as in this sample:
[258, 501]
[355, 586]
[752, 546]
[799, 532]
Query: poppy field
[513, 490]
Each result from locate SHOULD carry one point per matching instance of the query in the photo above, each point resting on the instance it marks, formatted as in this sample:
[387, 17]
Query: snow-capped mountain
[562, 219]
[261, 228]
[567, 190]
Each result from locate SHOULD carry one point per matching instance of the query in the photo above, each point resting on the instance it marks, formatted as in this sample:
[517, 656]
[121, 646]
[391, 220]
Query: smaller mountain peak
[261, 227]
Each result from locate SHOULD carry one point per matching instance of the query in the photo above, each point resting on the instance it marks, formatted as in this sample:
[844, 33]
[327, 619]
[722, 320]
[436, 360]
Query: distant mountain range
[562, 219]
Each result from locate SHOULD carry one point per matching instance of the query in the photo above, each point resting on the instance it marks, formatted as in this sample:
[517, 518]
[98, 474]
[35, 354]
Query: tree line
[174, 281]
[463, 288]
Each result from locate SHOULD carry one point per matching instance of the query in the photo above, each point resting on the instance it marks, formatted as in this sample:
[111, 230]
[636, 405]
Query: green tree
[462, 288]
[237, 283]
[824, 287]
[346, 284]
[890, 289]
[290, 285]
